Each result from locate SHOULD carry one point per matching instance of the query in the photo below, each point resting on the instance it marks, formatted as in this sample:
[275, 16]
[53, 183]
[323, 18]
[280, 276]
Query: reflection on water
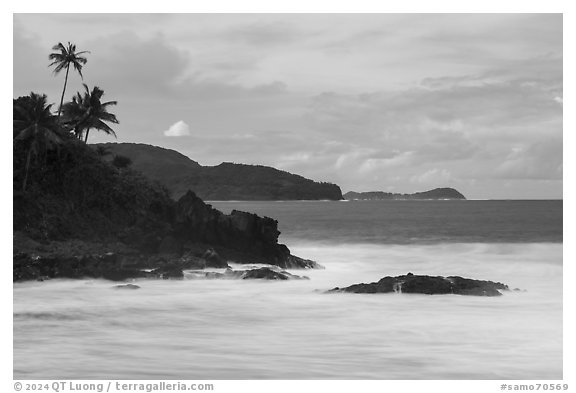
[211, 329]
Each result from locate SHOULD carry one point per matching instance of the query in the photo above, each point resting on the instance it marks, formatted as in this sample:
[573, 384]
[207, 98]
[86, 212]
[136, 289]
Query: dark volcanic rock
[119, 274]
[429, 285]
[207, 237]
[212, 259]
[228, 274]
[108, 266]
[262, 273]
[192, 261]
[267, 273]
[201, 257]
[467, 286]
[170, 270]
[169, 245]
[127, 286]
[240, 237]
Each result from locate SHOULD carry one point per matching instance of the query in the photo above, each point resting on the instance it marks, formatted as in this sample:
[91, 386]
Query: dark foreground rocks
[239, 236]
[118, 267]
[189, 235]
[260, 273]
[267, 273]
[429, 285]
[108, 266]
[196, 236]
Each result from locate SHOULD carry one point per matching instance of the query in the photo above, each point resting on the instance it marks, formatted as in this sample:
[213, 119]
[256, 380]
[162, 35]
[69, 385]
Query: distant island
[437, 193]
[227, 181]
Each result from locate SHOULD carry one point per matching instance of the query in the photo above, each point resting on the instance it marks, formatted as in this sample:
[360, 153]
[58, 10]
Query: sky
[391, 102]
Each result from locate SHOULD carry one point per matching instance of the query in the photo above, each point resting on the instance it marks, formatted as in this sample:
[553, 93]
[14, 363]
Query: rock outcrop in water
[429, 285]
[266, 273]
[239, 236]
[116, 267]
[127, 286]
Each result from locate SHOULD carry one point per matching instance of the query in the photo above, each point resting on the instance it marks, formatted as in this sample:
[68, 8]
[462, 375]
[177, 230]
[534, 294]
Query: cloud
[434, 177]
[462, 131]
[265, 33]
[369, 101]
[539, 160]
[178, 129]
[155, 68]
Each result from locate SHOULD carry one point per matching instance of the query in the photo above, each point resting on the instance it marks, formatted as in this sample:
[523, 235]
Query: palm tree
[36, 126]
[62, 59]
[86, 112]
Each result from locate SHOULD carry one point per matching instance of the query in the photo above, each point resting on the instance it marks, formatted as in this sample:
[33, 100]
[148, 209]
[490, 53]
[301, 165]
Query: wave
[254, 329]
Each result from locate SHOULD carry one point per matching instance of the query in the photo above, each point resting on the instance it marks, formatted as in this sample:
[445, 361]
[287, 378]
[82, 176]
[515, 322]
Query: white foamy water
[231, 329]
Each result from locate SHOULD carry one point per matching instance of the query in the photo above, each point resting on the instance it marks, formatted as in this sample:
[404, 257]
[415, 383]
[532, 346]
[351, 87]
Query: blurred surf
[233, 329]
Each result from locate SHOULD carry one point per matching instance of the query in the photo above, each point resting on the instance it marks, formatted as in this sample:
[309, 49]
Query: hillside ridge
[225, 181]
[437, 193]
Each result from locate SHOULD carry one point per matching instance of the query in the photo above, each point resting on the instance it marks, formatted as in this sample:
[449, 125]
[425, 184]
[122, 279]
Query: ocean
[233, 329]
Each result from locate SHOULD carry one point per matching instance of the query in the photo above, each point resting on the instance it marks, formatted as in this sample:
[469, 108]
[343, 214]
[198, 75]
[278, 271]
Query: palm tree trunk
[27, 169]
[86, 139]
[63, 91]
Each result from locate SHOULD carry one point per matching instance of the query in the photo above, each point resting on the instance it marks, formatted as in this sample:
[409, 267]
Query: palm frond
[57, 57]
[109, 117]
[26, 133]
[59, 67]
[78, 68]
[101, 126]
[59, 46]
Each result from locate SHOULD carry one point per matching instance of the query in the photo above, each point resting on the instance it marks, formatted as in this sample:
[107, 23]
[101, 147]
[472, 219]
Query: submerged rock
[429, 285]
[127, 286]
[267, 273]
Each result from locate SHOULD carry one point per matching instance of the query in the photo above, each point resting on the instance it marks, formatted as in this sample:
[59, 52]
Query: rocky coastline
[428, 285]
[197, 237]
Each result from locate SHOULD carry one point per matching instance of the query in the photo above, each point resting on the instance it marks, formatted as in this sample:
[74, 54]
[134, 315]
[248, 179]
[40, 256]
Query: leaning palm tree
[86, 112]
[62, 58]
[35, 126]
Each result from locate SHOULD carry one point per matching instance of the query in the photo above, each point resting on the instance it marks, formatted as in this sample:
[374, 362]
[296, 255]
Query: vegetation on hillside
[86, 112]
[227, 181]
[82, 211]
[66, 189]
